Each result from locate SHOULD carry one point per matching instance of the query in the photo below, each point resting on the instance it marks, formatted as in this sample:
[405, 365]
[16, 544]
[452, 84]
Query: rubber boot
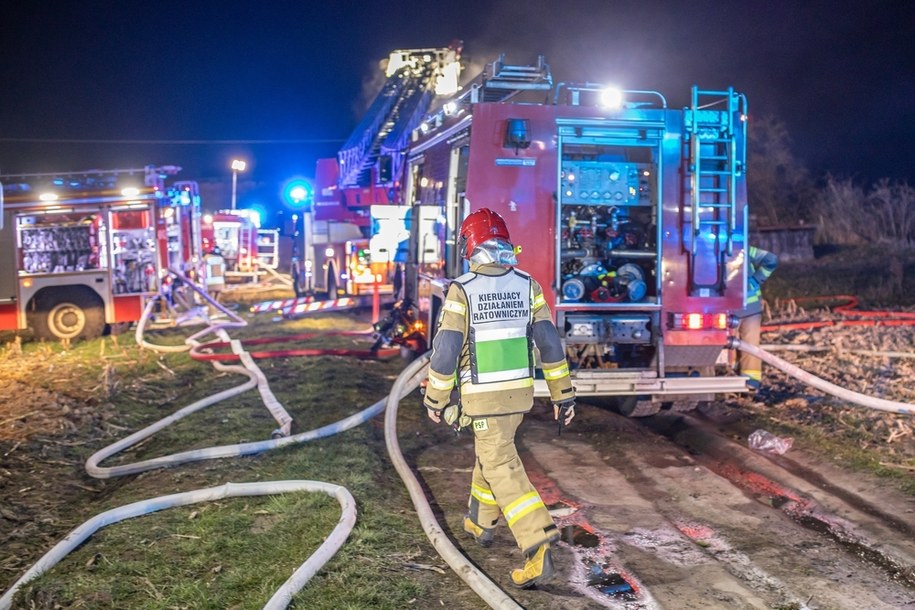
[537, 568]
[482, 535]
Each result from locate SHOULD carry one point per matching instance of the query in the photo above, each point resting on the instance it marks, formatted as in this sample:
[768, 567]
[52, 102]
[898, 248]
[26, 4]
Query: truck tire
[68, 314]
[638, 406]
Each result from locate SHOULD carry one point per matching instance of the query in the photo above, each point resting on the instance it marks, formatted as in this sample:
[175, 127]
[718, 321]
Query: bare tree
[848, 215]
[779, 188]
[893, 203]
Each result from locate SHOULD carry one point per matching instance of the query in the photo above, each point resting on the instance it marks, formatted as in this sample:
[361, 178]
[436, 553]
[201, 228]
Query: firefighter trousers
[749, 332]
[501, 486]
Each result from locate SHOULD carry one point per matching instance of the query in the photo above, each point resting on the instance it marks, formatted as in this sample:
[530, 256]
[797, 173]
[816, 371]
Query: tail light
[698, 321]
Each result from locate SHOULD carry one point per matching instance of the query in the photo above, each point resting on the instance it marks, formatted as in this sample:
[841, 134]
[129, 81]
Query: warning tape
[333, 305]
[306, 305]
[276, 306]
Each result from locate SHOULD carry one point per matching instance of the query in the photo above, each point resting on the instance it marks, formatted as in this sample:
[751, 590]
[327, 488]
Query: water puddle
[611, 584]
[579, 536]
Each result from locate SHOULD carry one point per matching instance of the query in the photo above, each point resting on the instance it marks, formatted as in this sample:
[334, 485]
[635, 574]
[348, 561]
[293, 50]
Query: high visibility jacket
[499, 337]
[760, 265]
[490, 322]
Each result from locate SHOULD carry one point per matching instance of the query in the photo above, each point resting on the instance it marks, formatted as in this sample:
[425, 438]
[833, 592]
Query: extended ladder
[716, 161]
[396, 110]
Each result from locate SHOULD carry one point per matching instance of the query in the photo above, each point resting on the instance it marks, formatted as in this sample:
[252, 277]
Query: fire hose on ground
[872, 402]
[282, 597]
[463, 567]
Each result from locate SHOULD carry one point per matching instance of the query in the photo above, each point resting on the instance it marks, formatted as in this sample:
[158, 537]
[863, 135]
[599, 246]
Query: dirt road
[675, 511]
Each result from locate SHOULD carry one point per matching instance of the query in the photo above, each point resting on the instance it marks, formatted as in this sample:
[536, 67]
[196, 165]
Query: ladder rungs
[712, 190]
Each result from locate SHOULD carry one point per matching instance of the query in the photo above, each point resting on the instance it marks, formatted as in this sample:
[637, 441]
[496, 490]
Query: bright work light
[611, 97]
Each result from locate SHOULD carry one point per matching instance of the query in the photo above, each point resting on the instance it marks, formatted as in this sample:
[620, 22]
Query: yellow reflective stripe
[477, 388]
[456, 307]
[752, 373]
[440, 383]
[483, 495]
[539, 301]
[524, 505]
[555, 372]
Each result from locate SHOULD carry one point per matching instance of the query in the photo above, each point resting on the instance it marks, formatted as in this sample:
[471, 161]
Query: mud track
[675, 511]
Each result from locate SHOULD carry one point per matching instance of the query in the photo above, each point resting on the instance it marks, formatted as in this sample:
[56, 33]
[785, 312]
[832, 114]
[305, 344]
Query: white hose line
[222, 451]
[488, 591]
[871, 402]
[276, 409]
[791, 347]
[274, 273]
[307, 570]
[281, 597]
[255, 378]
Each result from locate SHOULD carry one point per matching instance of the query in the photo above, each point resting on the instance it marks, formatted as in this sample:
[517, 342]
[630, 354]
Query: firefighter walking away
[491, 320]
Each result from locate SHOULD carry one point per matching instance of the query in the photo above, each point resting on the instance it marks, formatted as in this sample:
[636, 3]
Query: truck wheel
[70, 317]
[638, 406]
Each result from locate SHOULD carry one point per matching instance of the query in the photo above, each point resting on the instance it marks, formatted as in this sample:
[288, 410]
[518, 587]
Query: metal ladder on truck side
[717, 148]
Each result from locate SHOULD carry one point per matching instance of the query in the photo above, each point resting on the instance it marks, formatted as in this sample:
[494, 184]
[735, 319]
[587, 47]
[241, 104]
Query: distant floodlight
[130, 191]
[611, 97]
[48, 196]
[449, 108]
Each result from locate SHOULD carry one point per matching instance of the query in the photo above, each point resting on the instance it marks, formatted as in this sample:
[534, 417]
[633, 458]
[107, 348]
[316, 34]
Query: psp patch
[480, 424]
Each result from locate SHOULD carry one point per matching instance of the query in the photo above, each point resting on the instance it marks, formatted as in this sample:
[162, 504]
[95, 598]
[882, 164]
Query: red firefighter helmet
[478, 227]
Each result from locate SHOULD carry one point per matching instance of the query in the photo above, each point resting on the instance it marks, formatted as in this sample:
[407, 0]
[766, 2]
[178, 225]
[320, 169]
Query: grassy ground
[228, 554]
[62, 404]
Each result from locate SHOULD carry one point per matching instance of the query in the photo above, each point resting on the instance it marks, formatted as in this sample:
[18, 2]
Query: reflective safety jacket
[491, 320]
[760, 265]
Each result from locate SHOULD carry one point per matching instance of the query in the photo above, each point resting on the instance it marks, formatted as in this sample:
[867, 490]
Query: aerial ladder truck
[339, 254]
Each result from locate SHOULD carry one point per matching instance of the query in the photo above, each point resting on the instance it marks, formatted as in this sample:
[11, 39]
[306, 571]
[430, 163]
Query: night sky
[111, 84]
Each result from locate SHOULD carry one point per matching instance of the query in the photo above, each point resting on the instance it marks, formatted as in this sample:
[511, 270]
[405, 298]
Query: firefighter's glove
[452, 414]
[454, 417]
[434, 414]
[563, 413]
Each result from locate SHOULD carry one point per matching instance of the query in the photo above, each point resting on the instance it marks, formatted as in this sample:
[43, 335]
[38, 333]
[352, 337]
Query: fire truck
[347, 247]
[630, 213]
[82, 251]
[247, 248]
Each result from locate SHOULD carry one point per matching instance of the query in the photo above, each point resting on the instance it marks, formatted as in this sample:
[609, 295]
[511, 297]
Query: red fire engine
[346, 247]
[630, 214]
[85, 250]
[247, 248]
